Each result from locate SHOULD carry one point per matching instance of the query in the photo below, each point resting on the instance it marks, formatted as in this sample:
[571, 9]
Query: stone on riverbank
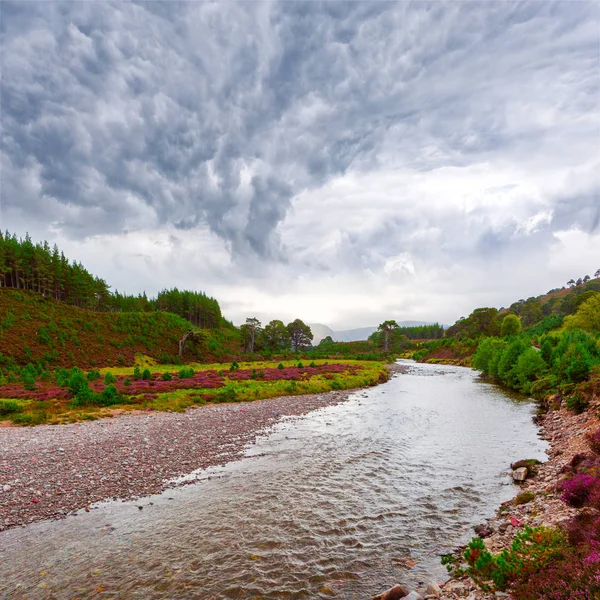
[398, 592]
[520, 474]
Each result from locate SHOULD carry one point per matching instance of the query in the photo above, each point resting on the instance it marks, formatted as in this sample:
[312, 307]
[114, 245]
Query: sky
[342, 163]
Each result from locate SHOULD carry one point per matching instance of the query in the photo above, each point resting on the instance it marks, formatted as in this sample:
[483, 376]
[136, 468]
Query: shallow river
[342, 503]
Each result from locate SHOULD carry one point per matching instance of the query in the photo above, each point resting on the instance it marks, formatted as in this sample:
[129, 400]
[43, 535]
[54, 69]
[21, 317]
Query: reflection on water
[340, 503]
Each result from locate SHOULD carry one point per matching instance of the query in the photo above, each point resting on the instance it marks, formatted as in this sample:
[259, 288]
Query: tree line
[36, 267]
[275, 336]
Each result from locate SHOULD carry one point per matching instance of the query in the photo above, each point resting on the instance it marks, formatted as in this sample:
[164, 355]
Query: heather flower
[577, 489]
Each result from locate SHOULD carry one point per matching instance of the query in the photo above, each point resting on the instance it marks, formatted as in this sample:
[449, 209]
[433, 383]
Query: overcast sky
[344, 163]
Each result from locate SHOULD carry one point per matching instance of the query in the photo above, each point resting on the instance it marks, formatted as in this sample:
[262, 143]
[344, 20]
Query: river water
[341, 503]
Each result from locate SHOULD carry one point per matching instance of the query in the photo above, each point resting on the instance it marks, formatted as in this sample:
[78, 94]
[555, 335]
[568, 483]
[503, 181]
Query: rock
[483, 531]
[520, 474]
[413, 596]
[395, 593]
[6, 488]
[433, 589]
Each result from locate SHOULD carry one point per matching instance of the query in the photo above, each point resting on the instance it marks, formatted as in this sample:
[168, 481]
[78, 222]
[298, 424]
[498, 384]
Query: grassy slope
[34, 328]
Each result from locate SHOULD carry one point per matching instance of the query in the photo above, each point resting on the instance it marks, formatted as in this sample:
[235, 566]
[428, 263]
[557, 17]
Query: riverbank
[566, 434]
[50, 471]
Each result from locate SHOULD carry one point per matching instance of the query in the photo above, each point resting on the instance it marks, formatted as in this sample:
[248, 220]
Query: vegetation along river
[343, 502]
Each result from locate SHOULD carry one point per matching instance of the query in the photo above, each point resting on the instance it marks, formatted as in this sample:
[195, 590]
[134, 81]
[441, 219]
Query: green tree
[300, 334]
[276, 336]
[587, 316]
[386, 328]
[511, 326]
[253, 326]
[530, 366]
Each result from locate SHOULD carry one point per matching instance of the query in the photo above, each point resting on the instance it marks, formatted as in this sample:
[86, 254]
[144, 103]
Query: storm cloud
[316, 144]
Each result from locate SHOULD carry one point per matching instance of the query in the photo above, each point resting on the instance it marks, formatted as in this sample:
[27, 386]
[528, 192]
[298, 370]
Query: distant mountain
[352, 335]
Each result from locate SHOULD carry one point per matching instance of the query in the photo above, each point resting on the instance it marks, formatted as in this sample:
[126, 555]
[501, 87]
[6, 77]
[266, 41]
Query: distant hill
[321, 331]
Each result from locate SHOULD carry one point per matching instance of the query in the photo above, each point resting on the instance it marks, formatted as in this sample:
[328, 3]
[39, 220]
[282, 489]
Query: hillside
[35, 328]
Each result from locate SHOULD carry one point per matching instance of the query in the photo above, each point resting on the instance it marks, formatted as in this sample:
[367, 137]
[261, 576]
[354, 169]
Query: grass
[246, 383]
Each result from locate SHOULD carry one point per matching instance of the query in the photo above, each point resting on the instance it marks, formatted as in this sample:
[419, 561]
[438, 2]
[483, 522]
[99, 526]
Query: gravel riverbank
[49, 471]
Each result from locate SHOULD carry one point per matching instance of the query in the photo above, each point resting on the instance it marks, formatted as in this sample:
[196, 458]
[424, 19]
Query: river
[341, 503]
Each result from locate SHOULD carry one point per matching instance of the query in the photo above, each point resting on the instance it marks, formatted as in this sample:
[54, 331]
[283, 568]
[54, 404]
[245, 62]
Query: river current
[341, 503]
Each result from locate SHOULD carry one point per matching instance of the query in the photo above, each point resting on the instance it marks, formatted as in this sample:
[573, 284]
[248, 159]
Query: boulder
[413, 596]
[520, 474]
[395, 593]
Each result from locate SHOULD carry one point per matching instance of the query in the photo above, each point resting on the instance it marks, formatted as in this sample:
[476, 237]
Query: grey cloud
[136, 113]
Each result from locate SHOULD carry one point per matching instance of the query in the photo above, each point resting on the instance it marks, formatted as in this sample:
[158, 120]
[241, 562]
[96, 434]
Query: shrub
[524, 498]
[146, 374]
[511, 326]
[300, 365]
[109, 379]
[93, 375]
[186, 373]
[543, 386]
[572, 577]
[166, 376]
[28, 376]
[593, 440]
[127, 381]
[576, 490]
[280, 366]
[8, 407]
[109, 396]
[576, 403]
[530, 365]
[137, 374]
[531, 551]
[312, 364]
[234, 366]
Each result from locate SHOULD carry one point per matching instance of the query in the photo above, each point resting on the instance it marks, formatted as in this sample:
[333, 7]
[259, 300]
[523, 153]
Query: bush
[186, 373]
[531, 551]
[146, 374]
[524, 498]
[8, 407]
[300, 365]
[166, 376]
[576, 490]
[543, 386]
[28, 377]
[576, 403]
[93, 375]
[137, 374]
[593, 440]
[572, 577]
[312, 364]
[109, 396]
[511, 326]
[234, 366]
[109, 379]
[127, 382]
[280, 366]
